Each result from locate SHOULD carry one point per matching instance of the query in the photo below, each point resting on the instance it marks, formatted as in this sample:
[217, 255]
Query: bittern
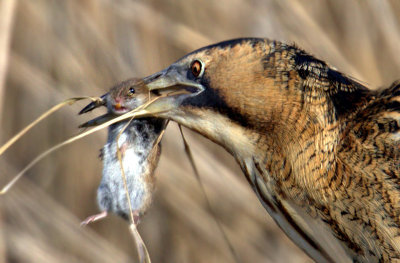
[320, 150]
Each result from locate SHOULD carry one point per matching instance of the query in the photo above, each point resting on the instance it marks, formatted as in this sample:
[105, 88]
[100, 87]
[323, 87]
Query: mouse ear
[94, 104]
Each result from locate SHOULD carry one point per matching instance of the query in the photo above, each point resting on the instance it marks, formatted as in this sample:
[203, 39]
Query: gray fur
[136, 143]
[139, 153]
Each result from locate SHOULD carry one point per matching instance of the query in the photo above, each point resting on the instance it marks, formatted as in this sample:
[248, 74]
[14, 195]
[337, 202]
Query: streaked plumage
[321, 151]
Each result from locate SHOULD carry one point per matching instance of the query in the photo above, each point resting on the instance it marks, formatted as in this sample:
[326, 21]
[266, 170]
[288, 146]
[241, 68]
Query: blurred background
[51, 50]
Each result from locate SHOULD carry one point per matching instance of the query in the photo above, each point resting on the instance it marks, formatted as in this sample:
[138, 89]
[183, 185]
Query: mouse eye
[131, 91]
[197, 68]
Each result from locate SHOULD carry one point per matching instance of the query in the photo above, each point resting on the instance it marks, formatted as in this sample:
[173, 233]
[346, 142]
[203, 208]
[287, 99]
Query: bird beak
[172, 86]
[94, 104]
[97, 121]
[168, 88]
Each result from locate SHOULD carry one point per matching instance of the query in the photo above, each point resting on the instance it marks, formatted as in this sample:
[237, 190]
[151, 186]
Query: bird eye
[196, 68]
[131, 90]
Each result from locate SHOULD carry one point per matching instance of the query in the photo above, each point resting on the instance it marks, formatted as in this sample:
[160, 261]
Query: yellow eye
[196, 68]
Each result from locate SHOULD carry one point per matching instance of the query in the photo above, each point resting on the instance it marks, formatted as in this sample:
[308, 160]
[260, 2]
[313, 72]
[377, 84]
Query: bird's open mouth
[167, 89]
[172, 88]
[175, 90]
[170, 80]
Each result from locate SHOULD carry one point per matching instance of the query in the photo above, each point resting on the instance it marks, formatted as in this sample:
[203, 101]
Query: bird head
[240, 90]
[234, 90]
[251, 95]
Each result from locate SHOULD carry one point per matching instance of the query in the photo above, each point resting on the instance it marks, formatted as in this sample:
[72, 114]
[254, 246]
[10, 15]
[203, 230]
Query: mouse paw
[136, 218]
[93, 218]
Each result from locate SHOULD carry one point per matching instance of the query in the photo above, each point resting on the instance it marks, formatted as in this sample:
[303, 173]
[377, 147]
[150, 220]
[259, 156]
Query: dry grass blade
[211, 210]
[138, 112]
[62, 48]
[119, 156]
[41, 117]
[7, 11]
[141, 247]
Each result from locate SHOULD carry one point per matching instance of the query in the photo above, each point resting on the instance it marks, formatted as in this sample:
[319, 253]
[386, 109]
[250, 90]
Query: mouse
[140, 148]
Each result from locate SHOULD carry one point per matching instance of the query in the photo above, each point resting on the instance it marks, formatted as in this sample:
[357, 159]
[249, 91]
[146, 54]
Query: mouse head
[126, 96]
[123, 97]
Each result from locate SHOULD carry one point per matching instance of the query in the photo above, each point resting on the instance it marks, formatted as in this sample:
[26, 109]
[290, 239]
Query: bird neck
[293, 152]
[299, 155]
[305, 159]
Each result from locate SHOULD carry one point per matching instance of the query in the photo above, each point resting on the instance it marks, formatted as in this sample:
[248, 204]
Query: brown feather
[311, 141]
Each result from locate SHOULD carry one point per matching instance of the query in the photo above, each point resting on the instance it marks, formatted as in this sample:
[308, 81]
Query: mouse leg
[93, 218]
[136, 218]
